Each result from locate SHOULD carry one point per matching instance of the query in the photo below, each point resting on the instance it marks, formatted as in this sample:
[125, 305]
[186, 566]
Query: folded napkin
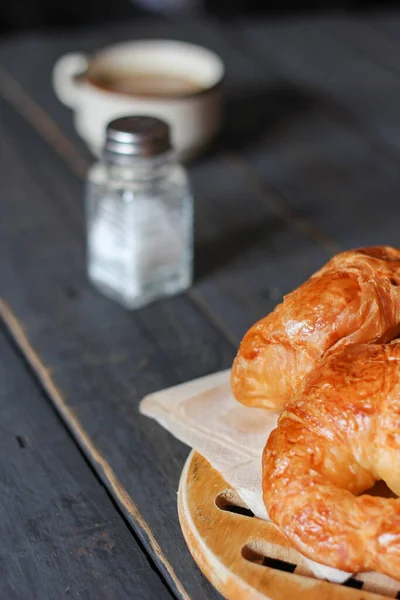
[204, 415]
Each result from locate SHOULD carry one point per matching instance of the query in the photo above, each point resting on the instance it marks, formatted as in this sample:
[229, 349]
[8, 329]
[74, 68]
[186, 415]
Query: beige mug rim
[96, 57]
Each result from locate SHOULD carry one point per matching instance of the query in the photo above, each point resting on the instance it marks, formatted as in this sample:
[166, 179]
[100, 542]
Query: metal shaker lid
[136, 136]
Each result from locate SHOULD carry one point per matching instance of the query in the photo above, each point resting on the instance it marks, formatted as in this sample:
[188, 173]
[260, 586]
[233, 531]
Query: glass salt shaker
[139, 215]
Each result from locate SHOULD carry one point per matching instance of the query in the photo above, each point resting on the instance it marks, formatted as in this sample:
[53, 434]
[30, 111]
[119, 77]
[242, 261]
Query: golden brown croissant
[353, 299]
[339, 437]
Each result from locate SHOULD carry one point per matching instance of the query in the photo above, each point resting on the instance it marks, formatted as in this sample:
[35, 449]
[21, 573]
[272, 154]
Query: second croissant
[331, 444]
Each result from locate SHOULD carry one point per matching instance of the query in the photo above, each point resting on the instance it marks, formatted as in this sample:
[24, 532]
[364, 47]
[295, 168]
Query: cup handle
[64, 77]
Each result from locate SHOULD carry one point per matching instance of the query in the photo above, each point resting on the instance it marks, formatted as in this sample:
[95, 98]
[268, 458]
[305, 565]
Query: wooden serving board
[246, 558]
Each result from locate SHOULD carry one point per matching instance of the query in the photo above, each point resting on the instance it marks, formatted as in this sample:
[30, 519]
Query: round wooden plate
[246, 558]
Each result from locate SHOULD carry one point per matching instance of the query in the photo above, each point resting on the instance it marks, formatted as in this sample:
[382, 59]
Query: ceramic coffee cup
[103, 87]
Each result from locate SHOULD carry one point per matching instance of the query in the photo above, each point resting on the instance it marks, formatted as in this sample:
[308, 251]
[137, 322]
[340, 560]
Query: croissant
[353, 299]
[340, 436]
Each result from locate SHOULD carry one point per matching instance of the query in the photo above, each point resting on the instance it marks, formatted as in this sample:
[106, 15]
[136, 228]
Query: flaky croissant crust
[353, 299]
[340, 436]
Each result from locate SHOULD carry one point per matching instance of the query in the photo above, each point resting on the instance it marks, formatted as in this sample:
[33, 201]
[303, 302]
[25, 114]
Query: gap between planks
[378, 39]
[334, 109]
[35, 116]
[375, 39]
[83, 439]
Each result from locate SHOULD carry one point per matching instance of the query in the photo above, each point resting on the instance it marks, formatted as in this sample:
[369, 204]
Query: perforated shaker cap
[136, 136]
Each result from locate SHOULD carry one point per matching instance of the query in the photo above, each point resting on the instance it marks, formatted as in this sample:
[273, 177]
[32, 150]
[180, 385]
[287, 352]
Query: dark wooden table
[308, 164]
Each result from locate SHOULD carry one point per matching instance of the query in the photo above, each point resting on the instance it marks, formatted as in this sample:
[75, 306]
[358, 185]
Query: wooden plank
[326, 167]
[326, 162]
[61, 536]
[365, 39]
[322, 161]
[334, 178]
[388, 24]
[376, 36]
[249, 253]
[96, 360]
[355, 87]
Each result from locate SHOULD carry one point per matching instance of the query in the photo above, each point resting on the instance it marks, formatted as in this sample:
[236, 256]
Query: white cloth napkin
[204, 415]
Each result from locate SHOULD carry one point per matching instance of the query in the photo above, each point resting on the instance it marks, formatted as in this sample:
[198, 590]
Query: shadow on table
[252, 115]
[214, 254]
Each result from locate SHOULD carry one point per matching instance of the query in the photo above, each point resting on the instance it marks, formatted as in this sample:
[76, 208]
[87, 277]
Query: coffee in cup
[174, 81]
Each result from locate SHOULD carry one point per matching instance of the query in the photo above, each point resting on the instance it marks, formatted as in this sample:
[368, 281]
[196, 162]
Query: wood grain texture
[96, 360]
[61, 536]
[252, 560]
[373, 41]
[325, 59]
[330, 162]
